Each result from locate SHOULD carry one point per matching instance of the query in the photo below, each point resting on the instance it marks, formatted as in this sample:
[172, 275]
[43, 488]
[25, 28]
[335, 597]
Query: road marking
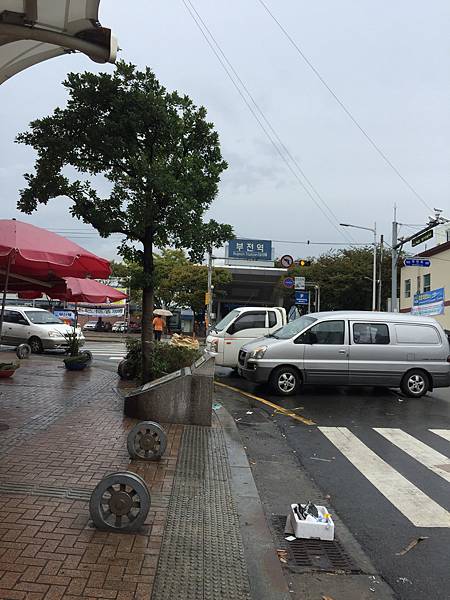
[435, 461]
[444, 433]
[279, 409]
[115, 357]
[416, 506]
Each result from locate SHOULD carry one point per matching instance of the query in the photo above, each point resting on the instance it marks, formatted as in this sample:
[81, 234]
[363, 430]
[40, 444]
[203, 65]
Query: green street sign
[423, 237]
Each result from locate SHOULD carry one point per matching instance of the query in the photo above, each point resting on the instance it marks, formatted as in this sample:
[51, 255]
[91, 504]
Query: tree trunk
[147, 307]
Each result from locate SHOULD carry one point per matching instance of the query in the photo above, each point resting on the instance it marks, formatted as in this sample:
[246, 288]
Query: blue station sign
[250, 249]
[417, 262]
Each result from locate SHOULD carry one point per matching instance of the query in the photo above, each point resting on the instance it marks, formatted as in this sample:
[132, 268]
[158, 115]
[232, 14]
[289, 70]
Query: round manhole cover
[3, 426]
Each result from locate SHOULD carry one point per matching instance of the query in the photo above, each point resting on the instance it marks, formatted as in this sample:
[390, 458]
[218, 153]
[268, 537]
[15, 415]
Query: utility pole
[209, 295]
[374, 282]
[394, 262]
[380, 273]
[398, 244]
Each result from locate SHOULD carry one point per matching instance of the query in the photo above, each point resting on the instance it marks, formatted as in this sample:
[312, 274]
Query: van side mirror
[22, 322]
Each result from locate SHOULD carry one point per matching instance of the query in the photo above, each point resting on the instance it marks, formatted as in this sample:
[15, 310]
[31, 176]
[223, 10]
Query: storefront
[426, 290]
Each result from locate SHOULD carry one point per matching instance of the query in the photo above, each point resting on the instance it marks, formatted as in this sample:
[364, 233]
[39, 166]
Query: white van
[239, 327]
[37, 327]
[352, 348]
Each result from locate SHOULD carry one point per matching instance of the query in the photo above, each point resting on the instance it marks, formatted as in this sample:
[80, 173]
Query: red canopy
[45, 256]
[79, 290]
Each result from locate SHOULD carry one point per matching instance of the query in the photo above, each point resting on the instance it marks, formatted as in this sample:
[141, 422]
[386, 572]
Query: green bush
[165, 358]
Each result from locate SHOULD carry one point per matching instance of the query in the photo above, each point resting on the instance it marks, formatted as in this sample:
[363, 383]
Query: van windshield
[293, 328]
[221, 325]
[42, 317]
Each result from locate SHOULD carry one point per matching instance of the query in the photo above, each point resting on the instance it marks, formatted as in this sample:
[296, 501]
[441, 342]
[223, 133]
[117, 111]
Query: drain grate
[44, 490]
[313, 555]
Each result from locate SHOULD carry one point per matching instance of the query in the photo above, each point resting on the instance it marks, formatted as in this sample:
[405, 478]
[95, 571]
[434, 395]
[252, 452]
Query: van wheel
[36, 345]
[415, 383]
[285, 381]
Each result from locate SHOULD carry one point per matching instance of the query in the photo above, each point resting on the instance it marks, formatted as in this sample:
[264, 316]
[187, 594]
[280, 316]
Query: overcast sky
[387, 61]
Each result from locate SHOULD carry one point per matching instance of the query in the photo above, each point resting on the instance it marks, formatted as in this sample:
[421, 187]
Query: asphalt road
[384, 460]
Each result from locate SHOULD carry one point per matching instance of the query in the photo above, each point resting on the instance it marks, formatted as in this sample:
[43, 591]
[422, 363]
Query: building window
[427, 282]
[418, 284]
[407, 288]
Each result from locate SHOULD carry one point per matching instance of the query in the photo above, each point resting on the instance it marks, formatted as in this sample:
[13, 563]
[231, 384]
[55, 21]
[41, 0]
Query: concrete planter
[181, 397]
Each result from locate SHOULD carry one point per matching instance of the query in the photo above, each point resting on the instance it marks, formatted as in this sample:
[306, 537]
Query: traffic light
[304, 263]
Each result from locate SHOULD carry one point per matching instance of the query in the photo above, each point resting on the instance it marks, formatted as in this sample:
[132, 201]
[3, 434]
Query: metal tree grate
[313, 555]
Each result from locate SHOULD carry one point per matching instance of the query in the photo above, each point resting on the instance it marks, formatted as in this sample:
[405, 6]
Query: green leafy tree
[158, 152]
[345, 279]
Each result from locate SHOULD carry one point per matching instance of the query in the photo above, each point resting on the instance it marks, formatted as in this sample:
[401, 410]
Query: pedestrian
[158, 327]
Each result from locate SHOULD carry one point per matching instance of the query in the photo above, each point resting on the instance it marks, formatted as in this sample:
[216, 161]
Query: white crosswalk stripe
[415, 505]
[113, 351]
[444, 433]
[435, 461]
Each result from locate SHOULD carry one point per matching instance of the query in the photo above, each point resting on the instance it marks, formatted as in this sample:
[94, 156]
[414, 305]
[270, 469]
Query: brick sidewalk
[66, 432]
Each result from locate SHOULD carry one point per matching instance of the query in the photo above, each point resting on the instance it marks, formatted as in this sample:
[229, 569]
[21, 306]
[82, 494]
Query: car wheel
[36, 345]
[415, 383]
[285, 381]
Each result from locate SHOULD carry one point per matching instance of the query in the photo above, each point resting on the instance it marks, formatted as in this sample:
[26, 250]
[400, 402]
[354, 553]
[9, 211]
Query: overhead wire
[347, 111]
[203, 28]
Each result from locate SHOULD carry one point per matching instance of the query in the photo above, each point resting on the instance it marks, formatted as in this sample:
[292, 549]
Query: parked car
[89, 326]
[351, 348]
[119, 327]
[239, 327]
[134, 327]
[37, 327]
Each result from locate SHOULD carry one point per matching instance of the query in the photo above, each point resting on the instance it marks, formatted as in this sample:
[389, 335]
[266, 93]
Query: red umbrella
[41, 258]
[79, 290]
[35, 252]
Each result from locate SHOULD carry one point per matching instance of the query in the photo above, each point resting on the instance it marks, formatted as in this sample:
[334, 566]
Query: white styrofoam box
[309, 528]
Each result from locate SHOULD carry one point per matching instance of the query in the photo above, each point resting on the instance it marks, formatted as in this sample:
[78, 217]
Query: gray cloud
[384, 60]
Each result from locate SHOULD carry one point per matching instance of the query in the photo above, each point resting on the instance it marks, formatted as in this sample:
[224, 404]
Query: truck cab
[239, 327]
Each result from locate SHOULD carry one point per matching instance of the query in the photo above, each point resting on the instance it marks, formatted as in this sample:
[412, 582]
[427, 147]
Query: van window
[328, 332]
[253, 320]
[370, 333]
[12, 316]
[272, 318]
[417, 334]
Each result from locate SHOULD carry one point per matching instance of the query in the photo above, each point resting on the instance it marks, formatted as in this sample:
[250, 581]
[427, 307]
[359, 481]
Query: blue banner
[429, 303]
[250, 249]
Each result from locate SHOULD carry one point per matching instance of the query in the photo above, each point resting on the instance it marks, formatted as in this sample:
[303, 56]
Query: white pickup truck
[239, 327]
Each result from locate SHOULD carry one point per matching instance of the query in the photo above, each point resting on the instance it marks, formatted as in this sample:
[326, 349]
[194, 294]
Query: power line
[343, 106]
[266, 120]
[193, 13]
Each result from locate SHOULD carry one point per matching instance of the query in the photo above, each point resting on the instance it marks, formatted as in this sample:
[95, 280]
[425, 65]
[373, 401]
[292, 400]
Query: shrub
[165, 358]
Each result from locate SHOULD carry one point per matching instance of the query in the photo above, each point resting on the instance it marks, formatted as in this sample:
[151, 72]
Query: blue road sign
[289, 282]
[301, 297]
[250, 249]
[417, 262]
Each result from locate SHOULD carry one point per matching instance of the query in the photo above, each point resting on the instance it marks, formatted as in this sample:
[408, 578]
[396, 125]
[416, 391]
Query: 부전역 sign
[250, 249]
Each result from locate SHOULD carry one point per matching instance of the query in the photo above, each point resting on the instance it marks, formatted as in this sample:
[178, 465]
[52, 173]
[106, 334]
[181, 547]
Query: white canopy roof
[34, 30]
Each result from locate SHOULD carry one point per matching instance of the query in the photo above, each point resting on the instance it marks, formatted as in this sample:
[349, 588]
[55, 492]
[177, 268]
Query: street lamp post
[374, 275]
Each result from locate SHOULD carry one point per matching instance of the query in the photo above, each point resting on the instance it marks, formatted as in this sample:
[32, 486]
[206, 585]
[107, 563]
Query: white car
[119, 327]
[90, 326]
[37, 327]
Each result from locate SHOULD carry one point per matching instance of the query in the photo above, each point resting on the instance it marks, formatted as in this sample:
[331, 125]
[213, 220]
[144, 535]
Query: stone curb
[267, 581]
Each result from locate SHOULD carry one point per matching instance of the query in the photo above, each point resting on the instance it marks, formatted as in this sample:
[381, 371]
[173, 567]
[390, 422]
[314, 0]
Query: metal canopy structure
[32, 31]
